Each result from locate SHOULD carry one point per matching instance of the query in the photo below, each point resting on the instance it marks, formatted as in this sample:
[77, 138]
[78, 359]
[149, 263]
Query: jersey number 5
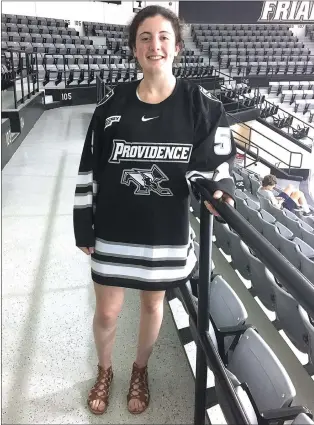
[222, 143]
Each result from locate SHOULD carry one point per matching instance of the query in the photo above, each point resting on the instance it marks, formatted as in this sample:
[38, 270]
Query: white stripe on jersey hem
[147, 274]
[145, 252]
[84, 179]
[192, 175]
[83, 200]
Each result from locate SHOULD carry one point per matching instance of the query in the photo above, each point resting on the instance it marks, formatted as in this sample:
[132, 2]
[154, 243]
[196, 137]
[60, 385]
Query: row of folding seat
[261, 382]
[240, 26]
[45, 38]
[271, 62]
[294, 95]
[83, 74]
[102, 33]
[296, 244]
[301, 104]
[261, 50]
[199, 33]
[38, 29]
[205, 46]
[279, 86]
[227, 311]
[267, 38]
[291, 317]
[285, 53]
[255, 68]
[50, 48]
[257, 45]
[32, 20]
[102, 26]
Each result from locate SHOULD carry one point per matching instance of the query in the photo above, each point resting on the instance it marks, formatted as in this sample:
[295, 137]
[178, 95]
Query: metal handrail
[272, 141]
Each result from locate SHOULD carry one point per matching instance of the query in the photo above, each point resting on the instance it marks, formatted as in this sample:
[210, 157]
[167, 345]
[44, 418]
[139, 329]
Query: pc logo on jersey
[146, 181]
[110, 120]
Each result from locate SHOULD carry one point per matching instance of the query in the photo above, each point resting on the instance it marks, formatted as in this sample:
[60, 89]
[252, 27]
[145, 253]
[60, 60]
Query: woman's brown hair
[150, 12]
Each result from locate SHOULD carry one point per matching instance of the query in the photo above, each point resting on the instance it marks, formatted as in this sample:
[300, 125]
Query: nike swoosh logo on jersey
[148, 119]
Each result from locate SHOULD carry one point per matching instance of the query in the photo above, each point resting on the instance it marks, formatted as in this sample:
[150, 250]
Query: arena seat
[260, 379]
[309, 324]
[302, 419]
[262, 281]
[222, 231]
[289, 318]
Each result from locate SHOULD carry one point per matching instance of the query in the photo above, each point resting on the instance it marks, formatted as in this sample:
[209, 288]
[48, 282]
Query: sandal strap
[139, 385]
[100, 390]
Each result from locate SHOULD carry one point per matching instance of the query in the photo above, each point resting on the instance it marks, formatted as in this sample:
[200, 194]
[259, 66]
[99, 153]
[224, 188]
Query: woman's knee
[152, 302]
[109, 301]
[107, 316]
[289, 189]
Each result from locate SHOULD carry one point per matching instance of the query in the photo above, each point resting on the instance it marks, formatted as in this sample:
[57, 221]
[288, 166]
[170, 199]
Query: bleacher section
[254, 49]
[271, 113]
[293, 236]
[63, 55]
[295, 96]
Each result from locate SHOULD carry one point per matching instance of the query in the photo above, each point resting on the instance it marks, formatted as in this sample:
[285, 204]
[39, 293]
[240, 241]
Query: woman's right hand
[86, 250]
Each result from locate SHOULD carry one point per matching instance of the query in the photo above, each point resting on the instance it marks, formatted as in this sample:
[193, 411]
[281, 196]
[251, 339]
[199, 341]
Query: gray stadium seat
[255, 185]
[302, 419]
[222, 232]
[255, 364]
[242, 207]
[262, 280]
[264, 203]
[288, 248]
[226, 310]
[258, 219]
[239, 259]
[306, 265]
[310, 329]
[291, 221]
[271, 233]
[307, 233]
[288, 315]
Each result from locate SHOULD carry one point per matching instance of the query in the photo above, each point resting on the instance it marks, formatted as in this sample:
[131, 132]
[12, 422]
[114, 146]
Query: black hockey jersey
[132, 196]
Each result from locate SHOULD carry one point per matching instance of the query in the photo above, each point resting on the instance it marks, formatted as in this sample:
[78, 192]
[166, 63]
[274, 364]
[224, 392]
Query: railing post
[21, 77]
[14, 79]
[205, 260]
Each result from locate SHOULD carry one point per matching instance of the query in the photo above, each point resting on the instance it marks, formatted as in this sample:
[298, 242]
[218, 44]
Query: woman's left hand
[218, 195]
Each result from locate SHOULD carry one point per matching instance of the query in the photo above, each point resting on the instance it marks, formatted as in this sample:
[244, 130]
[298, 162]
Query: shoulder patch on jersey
[207, 94]
[110, 120]
[106, 98]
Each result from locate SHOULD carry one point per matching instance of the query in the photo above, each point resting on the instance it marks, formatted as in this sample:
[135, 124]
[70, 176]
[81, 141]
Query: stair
[190, 45]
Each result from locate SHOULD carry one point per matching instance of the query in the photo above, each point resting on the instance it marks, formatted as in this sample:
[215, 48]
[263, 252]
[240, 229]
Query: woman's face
[155, 47]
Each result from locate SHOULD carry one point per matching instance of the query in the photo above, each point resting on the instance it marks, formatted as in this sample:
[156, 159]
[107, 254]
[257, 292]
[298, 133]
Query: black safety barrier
[23, 69]
[295, 283]
[100, 89]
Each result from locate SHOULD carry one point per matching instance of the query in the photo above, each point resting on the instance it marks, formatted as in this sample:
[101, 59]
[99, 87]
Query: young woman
[148, 142]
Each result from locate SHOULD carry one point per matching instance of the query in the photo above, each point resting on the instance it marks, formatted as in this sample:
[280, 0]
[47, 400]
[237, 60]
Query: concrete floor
[48, 357]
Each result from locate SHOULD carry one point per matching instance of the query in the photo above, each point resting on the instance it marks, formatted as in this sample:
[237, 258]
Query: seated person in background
[290, 198]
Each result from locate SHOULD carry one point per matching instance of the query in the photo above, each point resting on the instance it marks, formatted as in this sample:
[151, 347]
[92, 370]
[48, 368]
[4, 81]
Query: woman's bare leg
[152, 308]
[289, 189]
[109, 301]
[300, 199]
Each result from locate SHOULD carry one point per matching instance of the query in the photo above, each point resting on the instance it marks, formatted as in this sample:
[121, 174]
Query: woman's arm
[213, 153]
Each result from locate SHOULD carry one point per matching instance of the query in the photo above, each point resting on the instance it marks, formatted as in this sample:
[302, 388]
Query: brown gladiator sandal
[101, 389]
[139, 388]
